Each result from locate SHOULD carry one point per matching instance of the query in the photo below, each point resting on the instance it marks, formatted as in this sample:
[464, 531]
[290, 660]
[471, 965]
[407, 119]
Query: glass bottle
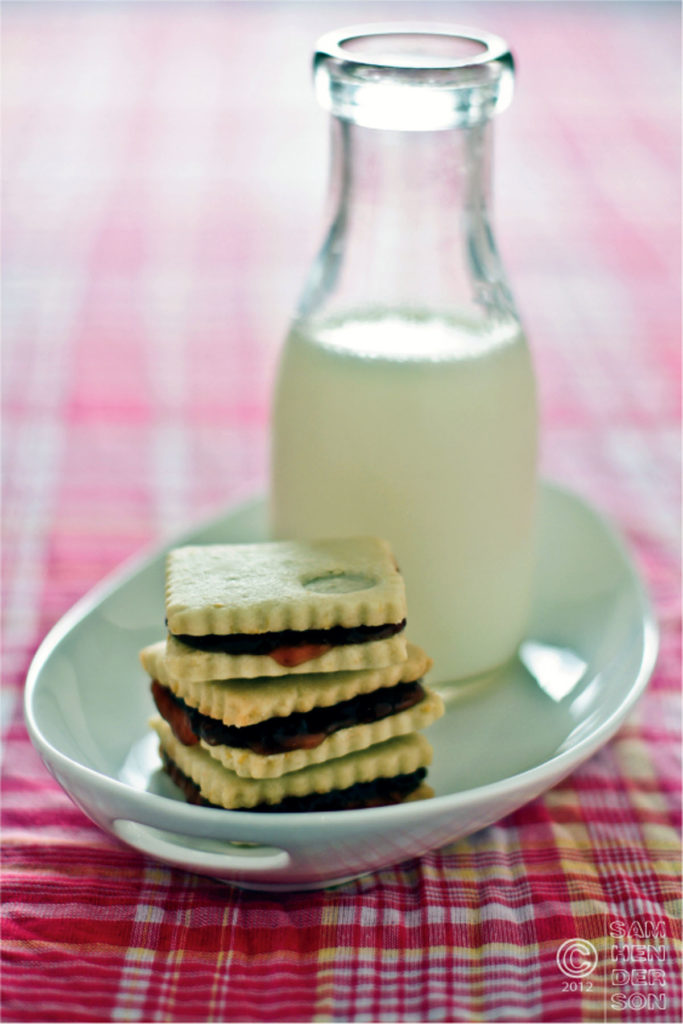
[405, 401]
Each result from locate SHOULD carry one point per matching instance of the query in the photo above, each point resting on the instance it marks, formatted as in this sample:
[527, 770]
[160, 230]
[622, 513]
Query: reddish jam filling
[298, 731]
[377, 793]
[175, 713]
[291, 647]
[289, 657]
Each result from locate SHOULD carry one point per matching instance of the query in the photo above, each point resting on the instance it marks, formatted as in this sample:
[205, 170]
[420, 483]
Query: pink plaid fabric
[163, 171]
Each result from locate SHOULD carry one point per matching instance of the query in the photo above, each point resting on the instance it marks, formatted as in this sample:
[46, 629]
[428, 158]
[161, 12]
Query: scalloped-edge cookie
[273, 586]
[189, 666]
[249, 765]
[243, 702]
[399, 756]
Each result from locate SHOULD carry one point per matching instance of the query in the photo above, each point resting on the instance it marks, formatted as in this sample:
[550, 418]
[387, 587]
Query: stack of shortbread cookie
[286, 682]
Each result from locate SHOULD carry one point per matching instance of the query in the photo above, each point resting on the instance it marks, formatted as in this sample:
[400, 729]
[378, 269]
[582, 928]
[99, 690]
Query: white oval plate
[590, 649]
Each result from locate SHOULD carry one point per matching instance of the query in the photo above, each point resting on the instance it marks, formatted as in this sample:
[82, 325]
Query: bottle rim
[413, 75]
[483, 47]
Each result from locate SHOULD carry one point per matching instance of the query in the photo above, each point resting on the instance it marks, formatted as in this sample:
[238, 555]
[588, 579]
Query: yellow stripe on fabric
[572, 859]
[649, 801]
[141, 954]
[373, 953]
[479, 977]
[569, 841]
[632, 756]
[328, 959]
[661, 837]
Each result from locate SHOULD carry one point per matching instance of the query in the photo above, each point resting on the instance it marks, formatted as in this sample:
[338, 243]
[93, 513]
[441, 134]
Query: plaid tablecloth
[164, 171]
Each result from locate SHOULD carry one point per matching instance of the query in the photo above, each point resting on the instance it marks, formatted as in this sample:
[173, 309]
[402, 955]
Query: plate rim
[553, 768]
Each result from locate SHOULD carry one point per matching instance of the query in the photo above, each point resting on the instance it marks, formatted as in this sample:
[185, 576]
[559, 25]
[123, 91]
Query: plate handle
[195, 853]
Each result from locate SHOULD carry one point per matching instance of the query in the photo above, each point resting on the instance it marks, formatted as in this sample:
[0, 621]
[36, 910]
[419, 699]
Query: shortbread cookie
[394, 769]
[250, 765]
[361, 795]
[191, 666]
[248, 610]
[244, 702]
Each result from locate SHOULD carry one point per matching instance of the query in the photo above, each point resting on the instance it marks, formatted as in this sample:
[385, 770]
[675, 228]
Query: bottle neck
[409, 225]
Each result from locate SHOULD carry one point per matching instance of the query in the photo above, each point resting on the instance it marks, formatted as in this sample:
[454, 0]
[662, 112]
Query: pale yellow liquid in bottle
[420, 429]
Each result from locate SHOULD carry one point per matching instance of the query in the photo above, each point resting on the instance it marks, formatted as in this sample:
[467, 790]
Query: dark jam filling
[377, 793]
[266, 643]
[301, 730]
